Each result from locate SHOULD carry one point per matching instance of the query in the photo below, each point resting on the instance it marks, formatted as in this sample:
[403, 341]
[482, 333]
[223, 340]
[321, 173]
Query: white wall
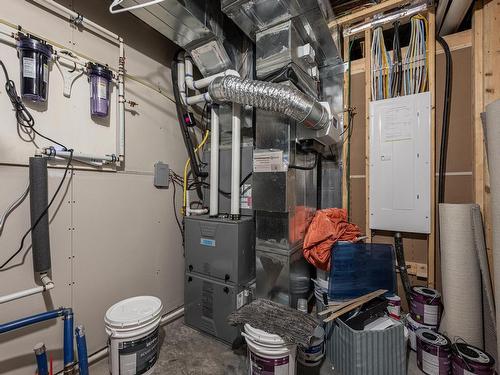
[113, 234]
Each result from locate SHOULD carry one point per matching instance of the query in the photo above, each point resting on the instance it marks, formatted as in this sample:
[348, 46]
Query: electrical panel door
[400, 164]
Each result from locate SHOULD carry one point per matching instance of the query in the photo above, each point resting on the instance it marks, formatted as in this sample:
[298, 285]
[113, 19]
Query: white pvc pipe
[63, 11]
[214, 161]
[99, 159]
[235, 161]
[205, 97]
[47, 285]
[121, 103]
[203, 82]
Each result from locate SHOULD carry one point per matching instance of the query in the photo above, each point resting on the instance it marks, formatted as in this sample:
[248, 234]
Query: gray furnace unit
[220, 271]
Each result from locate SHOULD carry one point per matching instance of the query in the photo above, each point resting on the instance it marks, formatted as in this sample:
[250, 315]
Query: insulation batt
[327, 227]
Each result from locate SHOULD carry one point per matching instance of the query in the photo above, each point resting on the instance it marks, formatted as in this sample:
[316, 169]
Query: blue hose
[69, 350]
[41, 359]
[81, 345]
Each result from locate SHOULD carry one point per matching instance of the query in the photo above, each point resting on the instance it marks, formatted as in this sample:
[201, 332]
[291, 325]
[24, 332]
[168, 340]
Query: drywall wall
[459, 180]
[113, 234]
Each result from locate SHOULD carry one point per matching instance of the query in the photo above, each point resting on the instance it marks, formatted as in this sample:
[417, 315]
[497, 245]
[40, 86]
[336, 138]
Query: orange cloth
[327, 227]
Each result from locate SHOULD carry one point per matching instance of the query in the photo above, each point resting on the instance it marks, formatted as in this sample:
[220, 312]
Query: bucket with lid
[268, 353]
[132, 326]
[425, 305]
[467, 359]
[433, 352]
[313, 355]
[413, 326]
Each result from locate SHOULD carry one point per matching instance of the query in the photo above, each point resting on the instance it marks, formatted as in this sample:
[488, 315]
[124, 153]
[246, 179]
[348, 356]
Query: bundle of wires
[381, 67]
[397, 64]
[415, 69]
[26, 123]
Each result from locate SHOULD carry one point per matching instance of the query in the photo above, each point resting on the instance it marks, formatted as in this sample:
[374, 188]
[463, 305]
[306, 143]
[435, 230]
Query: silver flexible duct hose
[271, 97]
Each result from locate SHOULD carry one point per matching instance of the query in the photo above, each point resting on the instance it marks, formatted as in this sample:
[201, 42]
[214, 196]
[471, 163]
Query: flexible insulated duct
[270, 97]
[38, 204]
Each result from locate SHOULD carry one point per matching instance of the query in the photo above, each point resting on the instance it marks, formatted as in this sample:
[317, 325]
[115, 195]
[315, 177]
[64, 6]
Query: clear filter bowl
[100, 79]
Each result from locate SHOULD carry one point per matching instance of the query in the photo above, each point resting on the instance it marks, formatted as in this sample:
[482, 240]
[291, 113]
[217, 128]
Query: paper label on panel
[268, 161]
[396, 124]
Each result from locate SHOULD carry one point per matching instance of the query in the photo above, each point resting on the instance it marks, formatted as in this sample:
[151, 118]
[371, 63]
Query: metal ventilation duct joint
[272, 97]
[198, 26]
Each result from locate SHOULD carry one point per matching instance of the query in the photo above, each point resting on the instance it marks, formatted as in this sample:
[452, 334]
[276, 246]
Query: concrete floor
[185, 351]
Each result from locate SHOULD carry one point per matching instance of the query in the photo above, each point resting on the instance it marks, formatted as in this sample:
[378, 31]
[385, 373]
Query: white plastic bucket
[132, 326]
[268, 354]
[313, 355]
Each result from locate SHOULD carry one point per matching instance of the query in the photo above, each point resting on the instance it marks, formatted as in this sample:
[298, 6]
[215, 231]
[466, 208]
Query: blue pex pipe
[41, 359]
[69, 350]
[20, 323]
[81, 345]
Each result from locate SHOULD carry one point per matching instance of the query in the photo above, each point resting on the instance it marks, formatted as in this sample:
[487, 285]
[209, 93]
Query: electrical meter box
[400, 164]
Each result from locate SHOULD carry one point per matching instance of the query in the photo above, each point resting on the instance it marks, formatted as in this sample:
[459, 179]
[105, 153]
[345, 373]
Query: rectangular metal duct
[195, 25]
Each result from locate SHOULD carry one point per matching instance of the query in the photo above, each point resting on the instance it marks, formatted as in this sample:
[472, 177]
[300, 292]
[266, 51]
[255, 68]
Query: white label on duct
[240, 299]
[45, 73]
[430, 363]
[431, 315]
[102, 89]
[268, 161]
[29, 67]
[246, 196]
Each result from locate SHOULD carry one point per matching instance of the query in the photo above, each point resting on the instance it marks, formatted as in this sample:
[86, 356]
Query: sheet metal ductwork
[199, 27]
[271, 97]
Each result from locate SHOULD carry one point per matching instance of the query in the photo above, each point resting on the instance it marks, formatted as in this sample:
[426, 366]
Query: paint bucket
[425, 305]
[433, 352]
[313, 355]
[132, 326]
[413, 326]
[467, 359]
[394, 306]
[268, 353]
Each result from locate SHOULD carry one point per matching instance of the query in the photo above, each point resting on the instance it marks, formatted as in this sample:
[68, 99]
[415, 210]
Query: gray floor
[185, 351]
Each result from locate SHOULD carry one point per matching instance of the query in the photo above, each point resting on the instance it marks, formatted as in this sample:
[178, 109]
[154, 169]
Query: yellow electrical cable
[186, 166]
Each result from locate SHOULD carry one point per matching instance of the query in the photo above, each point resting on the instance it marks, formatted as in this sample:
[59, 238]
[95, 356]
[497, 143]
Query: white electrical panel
[400, 164]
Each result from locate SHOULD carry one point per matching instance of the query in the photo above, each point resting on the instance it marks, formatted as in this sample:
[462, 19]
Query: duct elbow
[271, 97]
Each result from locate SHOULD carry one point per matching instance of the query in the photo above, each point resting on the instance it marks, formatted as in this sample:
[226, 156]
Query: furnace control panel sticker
[268, 161]
[207, 242]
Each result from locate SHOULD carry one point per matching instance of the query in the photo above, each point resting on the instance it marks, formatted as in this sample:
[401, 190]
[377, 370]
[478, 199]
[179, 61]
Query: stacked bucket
[425, 310]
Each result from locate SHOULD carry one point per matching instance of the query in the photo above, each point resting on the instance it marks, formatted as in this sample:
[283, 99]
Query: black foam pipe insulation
[38, 203]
